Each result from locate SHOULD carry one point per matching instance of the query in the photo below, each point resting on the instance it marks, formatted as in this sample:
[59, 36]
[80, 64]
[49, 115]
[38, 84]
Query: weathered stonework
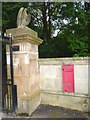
[47, 89]
[51, 83]
[25, 64]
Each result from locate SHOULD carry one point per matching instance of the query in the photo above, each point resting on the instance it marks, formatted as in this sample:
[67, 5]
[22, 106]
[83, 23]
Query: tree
[9, 14]
[76, 29]
[87, 10]
[70, 19]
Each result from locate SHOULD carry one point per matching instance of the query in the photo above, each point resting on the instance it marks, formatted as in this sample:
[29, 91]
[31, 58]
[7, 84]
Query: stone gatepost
[25, 64]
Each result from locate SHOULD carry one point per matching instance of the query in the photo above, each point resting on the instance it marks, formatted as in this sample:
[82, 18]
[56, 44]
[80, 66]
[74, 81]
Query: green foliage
[9, 13]
[82, 55]
[76, 30]
[73, 36]
[57, 47]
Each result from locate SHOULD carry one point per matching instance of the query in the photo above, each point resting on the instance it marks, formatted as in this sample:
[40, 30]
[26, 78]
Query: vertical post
[1, 101]
[11, 59]
[12, 99]
[14, 96]
[14, 87]
[11, 69]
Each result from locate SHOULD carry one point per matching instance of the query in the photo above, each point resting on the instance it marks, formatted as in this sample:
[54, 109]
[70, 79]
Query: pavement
[47, 111]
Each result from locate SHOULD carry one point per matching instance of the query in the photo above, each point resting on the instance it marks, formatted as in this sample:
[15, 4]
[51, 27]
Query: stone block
[78, 102]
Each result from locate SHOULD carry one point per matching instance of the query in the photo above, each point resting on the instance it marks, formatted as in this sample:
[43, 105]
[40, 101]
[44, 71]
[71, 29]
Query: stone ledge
[62, 61]
[27, 38]
[21, 31]
[64, 94]
[24, 35]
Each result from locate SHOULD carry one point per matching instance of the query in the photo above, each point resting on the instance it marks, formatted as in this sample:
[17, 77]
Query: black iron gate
[9, 102]
[9, 90]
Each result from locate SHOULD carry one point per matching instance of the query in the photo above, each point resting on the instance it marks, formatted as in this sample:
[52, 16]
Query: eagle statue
[23, 17]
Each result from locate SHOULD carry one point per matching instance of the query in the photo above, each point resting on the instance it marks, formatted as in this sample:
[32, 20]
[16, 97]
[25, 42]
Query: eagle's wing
[19, 16]
[26, 17]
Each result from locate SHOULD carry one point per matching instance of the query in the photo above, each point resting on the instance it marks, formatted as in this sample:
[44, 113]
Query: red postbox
[68, 78]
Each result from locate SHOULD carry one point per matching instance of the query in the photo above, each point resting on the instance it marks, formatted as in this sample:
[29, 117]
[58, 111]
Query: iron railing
[9, 90]
[9, 98]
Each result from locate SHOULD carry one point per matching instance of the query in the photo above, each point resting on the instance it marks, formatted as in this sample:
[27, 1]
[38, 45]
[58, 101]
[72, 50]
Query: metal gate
[9, 90]
[9, 102]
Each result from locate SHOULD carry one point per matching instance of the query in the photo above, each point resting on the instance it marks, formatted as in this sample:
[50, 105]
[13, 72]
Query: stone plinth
[25, 63]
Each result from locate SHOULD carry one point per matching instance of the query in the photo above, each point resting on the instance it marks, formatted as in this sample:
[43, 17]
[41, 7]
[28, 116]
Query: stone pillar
[25, 64]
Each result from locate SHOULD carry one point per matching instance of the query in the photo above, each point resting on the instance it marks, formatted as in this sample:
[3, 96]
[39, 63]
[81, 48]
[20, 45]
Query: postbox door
[68, 78]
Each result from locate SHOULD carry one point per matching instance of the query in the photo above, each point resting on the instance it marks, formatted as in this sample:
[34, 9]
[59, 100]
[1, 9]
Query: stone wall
[51, 83]
[40, 81]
